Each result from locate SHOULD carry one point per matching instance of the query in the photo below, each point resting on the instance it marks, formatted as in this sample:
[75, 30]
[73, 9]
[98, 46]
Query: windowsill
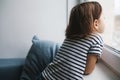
[102, 72]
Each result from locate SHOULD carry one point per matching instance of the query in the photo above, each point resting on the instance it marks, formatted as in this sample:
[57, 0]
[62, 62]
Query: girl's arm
[91, 61]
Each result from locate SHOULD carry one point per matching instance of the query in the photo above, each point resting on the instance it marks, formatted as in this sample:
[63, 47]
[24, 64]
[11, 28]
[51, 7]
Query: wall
[20, 20]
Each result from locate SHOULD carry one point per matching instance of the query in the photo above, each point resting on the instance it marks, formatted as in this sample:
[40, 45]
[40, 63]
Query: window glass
[116, 35]
[111, 12]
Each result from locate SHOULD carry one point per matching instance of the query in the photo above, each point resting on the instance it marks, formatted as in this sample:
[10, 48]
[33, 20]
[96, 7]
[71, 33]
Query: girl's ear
[96, 24]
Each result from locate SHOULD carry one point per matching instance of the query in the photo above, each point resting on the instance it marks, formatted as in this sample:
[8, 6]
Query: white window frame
[111, 57]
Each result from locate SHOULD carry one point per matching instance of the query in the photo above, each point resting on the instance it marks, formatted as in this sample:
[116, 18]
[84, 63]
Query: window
[116, 35]
[111, 34]
[111, 12]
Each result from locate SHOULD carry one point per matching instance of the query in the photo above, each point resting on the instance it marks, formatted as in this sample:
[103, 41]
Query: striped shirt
[70, 61]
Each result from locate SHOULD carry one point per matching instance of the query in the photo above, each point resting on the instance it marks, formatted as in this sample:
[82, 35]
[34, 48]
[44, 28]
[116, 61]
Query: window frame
[111, 58]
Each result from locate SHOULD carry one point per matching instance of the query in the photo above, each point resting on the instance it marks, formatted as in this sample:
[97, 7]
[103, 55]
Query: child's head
[85, 18]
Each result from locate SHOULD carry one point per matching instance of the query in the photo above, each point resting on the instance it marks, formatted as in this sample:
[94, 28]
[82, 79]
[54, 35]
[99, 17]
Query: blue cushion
[39, 56]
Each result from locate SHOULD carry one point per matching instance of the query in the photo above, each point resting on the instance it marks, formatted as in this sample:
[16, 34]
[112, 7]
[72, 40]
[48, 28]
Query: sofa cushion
[39, 56]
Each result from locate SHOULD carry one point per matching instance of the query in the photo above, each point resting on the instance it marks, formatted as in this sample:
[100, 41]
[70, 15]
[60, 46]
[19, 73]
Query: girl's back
[70, 61]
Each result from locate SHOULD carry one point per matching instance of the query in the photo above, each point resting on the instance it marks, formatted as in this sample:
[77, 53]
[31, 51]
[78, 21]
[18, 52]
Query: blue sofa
[10, 69]
[28, 68]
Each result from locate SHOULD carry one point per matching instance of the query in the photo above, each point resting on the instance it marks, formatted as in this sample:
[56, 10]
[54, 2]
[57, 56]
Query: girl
[83, 44]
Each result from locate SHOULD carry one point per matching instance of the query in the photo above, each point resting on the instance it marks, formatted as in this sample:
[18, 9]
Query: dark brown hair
[81, 19]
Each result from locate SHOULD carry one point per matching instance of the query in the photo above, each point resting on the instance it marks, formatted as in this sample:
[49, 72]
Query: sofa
[10, 69]
[28, 68]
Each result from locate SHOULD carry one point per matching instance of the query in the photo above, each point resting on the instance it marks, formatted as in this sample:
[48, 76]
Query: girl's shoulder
[95, 38]
[92, 38]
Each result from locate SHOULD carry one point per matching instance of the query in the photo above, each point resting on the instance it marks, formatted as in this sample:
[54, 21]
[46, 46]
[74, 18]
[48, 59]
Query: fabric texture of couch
[10, 69]
[29, 68]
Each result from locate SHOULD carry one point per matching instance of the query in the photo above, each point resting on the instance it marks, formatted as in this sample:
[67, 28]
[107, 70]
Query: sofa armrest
[10, 69]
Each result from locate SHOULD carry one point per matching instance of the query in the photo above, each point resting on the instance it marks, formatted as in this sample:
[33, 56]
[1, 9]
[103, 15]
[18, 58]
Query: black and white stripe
[70, 61]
